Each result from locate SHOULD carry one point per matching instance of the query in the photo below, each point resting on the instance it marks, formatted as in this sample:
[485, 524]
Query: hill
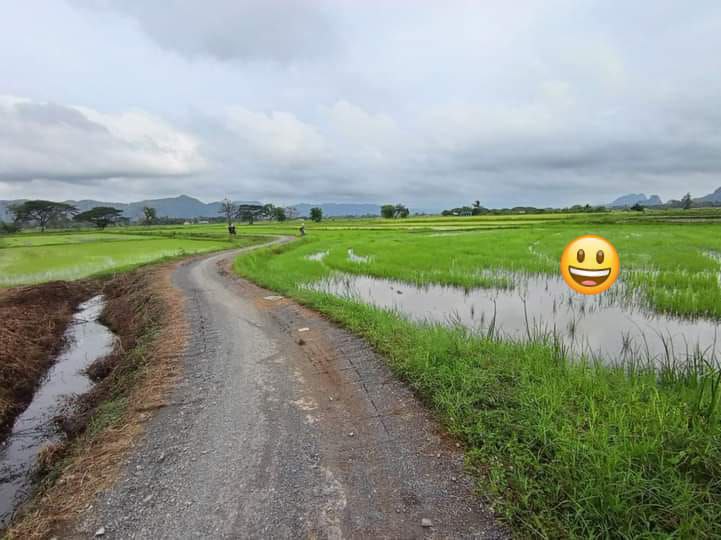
[625, 201]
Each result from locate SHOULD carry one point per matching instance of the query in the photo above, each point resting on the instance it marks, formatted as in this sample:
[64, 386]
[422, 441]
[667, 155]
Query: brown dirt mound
[34, 320]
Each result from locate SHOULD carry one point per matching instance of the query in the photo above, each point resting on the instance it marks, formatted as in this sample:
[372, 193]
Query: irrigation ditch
[106, 362]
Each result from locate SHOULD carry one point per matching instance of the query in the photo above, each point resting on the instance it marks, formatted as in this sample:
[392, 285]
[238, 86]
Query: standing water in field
[603, 327]
[87, 341]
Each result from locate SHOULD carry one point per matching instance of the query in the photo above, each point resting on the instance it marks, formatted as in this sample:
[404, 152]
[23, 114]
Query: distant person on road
[302, 229]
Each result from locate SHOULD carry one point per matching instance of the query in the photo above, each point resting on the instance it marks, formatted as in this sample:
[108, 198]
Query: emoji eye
[599, 256]
[581, 255]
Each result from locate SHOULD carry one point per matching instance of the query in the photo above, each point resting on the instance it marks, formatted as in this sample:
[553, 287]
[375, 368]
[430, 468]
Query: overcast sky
[429, 103]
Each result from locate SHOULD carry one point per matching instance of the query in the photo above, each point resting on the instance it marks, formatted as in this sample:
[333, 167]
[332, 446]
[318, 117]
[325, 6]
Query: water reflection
[34, 428]
[609, 327]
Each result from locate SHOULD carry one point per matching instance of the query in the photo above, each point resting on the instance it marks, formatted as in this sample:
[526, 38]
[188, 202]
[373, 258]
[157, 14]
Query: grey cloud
[276, 30]
[70, 144]
[533, 102]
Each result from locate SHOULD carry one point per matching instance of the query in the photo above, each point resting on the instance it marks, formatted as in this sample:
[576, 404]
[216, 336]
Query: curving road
[281, 433]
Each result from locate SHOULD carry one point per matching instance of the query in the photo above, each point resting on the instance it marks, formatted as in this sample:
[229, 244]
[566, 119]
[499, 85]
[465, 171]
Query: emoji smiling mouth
[589, 278]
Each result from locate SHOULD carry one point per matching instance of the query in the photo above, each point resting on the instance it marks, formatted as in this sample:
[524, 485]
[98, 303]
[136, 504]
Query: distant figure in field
[302, 229]
[231, 229]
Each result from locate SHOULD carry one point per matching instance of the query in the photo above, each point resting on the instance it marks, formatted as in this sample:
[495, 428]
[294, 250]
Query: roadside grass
[564, 449]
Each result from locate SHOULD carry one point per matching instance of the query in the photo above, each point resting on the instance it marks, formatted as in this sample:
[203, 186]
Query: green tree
[316, 214]
[478, 209]
[388, 211]
[248, 212]
[269, 211]
[150, 215]
[40, 212]
[400, 211]
[686, 202]
[100, 216]
[8, 228]
[279, 213]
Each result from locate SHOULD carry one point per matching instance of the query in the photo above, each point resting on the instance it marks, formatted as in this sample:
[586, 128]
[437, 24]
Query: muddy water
[34, 428]
[600, 327]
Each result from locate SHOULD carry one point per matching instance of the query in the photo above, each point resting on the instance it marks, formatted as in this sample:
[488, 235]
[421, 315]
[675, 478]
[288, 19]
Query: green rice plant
[562, 449]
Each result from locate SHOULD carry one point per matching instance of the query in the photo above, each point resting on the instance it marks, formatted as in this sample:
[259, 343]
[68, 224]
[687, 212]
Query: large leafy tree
[150, 214]
[248, 212]
[100, 216]
[316, 214]
[400, 211]
[41, 212]
[279, 213]
[388, 211]
[269, 211]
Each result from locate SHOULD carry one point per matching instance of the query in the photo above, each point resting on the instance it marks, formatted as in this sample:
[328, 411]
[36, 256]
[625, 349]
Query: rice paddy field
[623, 441]
[30, 258]
[582, 417]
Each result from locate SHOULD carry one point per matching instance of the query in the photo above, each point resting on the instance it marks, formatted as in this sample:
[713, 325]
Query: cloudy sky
[430, 103]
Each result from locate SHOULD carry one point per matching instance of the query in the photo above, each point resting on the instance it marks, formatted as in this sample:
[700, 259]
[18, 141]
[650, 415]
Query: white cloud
[50, 141]
[278, 137]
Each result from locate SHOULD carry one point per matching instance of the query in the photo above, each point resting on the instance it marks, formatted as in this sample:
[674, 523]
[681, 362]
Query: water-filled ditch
[87, 340]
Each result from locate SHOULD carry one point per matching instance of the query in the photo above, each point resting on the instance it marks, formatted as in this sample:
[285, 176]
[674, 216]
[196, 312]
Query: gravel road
[285, 426]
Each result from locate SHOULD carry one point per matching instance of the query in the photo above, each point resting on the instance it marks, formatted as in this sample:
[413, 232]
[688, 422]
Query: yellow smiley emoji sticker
[589, 264]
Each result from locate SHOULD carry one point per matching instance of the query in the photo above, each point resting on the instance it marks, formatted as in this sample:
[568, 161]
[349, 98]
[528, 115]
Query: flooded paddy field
[565, 448]
[36, 428]
[607, 328]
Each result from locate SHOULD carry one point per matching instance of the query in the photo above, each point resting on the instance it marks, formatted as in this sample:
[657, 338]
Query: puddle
[352, 257]
[87, 340]
[601, 327]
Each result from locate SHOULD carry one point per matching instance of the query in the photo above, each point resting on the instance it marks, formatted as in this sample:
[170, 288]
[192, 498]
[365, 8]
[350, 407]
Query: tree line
[45, 214]
[250, 213]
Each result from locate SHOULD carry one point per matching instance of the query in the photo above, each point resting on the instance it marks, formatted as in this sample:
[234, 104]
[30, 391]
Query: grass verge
[146, 313]
[563, 450]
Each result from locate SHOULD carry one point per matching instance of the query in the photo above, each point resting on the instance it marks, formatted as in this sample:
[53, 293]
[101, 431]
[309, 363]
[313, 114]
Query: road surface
[285, 426]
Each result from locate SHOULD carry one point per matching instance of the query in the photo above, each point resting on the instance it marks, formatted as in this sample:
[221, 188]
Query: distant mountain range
[714, 197]
[184, 207]
[626, 201]
[633, 198]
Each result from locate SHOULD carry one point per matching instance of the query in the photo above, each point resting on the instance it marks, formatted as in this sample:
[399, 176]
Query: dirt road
[285, 426]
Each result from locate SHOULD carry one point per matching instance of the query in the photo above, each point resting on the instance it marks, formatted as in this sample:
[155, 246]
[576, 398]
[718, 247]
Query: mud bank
[147, 319]
[34, 321]
[35, 434]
